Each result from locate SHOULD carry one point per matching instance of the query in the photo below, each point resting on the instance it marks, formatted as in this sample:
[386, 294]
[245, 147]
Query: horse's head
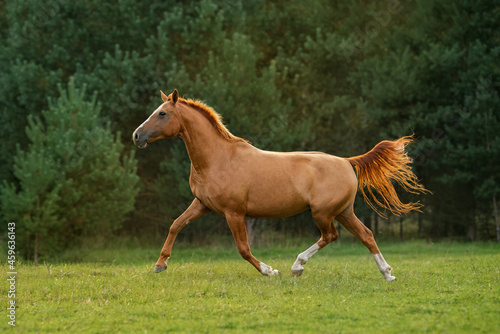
[163, 122]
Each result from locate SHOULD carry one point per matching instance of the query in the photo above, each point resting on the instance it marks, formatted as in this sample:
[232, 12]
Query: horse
[231, 177]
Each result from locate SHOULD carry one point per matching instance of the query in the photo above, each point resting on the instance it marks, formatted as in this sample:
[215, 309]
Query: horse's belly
[275, 204]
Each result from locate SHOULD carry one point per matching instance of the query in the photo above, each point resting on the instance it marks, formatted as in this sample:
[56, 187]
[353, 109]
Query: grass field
[440, 288]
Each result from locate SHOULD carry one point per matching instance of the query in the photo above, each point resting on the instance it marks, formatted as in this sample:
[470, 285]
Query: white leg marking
[268, 270]
[384, 268]
[304, 257]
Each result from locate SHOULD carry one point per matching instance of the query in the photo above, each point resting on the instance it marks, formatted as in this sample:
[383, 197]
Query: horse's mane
[214, 118]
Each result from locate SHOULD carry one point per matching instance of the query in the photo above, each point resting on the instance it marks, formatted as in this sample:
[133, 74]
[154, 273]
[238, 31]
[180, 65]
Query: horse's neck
[204, 145]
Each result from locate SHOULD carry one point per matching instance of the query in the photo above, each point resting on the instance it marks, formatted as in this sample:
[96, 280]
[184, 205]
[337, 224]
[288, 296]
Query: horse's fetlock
[302, 259]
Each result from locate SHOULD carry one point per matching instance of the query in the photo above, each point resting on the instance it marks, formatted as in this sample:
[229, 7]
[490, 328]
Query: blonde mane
[214, 118]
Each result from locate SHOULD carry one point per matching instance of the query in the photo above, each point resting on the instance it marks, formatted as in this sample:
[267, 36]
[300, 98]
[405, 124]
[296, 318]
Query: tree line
[79, 76]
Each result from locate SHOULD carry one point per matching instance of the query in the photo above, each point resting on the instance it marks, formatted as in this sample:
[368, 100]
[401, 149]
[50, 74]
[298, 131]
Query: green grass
[440, 288]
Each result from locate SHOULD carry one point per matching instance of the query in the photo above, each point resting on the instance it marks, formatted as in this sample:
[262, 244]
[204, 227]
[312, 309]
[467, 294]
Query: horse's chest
[197, 188]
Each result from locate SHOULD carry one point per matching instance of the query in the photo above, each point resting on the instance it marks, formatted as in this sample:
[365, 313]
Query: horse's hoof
[159, 269]
[297, 273]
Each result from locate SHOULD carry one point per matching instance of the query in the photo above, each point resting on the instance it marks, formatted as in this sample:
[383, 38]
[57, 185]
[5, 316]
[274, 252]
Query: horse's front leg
[194, 211]
[237, 225]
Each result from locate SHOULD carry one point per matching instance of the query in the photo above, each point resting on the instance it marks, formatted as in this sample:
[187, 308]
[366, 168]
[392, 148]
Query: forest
[77, 78]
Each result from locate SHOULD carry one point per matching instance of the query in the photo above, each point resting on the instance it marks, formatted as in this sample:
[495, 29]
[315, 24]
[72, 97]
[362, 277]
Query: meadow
[441, 288]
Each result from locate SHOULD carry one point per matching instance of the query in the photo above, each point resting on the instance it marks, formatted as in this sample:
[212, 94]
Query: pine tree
[74, 179]
[437, 74]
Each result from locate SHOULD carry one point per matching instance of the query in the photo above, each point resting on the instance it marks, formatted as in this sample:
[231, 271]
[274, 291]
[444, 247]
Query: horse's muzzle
[140, 140]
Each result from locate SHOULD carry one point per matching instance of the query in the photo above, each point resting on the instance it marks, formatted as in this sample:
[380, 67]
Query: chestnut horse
[237, 180]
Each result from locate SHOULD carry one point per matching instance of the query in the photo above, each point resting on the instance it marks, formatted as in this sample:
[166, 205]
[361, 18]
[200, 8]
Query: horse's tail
[376, 169]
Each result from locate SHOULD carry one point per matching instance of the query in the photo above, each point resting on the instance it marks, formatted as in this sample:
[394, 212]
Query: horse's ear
[175, 96]
[163, 96]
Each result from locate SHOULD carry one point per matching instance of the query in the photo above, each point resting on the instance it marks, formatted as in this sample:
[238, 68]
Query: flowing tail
[376, 169]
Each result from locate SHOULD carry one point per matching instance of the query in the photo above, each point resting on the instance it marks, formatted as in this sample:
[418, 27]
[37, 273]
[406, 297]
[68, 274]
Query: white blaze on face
[384, 268]
[304, 257]
[154, 112]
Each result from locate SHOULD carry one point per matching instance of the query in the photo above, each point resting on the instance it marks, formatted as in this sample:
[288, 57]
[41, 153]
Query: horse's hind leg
[328, 234]
[349, 220]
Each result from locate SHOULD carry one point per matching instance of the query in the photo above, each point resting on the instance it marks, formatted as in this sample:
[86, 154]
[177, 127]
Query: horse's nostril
[136, 136]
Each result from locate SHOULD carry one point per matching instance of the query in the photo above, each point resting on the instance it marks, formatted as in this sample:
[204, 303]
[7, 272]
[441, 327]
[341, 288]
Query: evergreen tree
[46, 42]
[288, 75]
[74, 179]
[437, 73]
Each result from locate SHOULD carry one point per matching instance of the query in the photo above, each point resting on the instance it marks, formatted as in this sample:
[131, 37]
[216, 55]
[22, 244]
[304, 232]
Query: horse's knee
[174, 229]
[176, 226]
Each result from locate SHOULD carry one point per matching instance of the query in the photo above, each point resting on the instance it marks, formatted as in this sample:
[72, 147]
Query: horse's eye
[162, 113]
